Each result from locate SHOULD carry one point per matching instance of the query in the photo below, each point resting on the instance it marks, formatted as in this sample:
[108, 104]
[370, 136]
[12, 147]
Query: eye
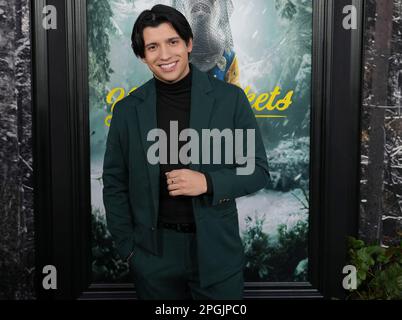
[174, 41]
[151, 48]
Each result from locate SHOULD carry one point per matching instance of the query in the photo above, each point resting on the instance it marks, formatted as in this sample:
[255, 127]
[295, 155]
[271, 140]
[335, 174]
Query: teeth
[167, 66]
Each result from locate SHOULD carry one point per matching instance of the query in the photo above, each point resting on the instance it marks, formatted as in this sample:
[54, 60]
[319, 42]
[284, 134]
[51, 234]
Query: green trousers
[174, 274]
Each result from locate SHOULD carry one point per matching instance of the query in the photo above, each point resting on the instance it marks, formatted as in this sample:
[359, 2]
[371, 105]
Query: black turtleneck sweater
[173, 101]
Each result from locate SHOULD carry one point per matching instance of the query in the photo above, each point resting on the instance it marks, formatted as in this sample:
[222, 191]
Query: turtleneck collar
[182, 84]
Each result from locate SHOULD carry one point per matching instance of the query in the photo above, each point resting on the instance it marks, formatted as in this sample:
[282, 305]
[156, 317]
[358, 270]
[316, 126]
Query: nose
[164, 52]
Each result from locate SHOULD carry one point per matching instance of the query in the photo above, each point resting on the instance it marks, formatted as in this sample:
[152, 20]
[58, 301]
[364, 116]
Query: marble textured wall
[381, 148]
[16, 173]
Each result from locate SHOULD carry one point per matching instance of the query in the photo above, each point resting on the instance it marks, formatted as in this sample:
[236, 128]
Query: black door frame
[62, 153]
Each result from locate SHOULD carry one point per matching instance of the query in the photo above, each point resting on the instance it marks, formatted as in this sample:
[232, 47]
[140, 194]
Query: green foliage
[283, 260]
[106, 263]
[100, 27]
[289, 166]
[379, 271]
[256, 249]
[292, 71]
[290, 249]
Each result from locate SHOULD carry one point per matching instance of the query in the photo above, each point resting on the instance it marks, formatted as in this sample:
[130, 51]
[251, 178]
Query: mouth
[168, 67]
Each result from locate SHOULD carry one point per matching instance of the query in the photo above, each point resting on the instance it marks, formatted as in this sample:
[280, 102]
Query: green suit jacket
[131, 183]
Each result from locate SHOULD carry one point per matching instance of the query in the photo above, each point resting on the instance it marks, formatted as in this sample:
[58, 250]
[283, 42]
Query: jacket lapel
[201, 107]
[146, 113]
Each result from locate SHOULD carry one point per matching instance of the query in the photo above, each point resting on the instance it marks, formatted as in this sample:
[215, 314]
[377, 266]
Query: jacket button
[153, 228]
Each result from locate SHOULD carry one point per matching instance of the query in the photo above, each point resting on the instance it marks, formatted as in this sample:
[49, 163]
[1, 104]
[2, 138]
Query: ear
[190, 45]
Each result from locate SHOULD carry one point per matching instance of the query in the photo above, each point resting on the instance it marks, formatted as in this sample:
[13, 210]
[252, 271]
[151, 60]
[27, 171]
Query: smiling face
[166, 54]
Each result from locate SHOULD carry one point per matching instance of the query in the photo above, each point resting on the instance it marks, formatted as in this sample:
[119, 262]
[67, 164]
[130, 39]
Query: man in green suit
[171, 210]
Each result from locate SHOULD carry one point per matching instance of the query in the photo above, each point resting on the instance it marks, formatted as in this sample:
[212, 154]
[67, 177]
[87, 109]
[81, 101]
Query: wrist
[208, 181]
[204, 184]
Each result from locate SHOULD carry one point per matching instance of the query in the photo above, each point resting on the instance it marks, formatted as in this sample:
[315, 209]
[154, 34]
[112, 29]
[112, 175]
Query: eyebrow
[168, 40]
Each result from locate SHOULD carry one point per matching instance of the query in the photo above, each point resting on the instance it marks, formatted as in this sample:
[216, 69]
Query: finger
[177, 192]
[173, 181]
[171, 187]
[173, 174]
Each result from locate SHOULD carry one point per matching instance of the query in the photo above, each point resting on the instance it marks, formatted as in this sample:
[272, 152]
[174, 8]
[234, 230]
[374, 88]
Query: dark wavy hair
[152, 18]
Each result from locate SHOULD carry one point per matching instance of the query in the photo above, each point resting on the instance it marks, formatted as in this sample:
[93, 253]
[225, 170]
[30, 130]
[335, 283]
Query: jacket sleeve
[115, 186]
[227, 184]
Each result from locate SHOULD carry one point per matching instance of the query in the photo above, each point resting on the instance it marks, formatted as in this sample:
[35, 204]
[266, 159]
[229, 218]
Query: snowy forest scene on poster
[262, 46]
